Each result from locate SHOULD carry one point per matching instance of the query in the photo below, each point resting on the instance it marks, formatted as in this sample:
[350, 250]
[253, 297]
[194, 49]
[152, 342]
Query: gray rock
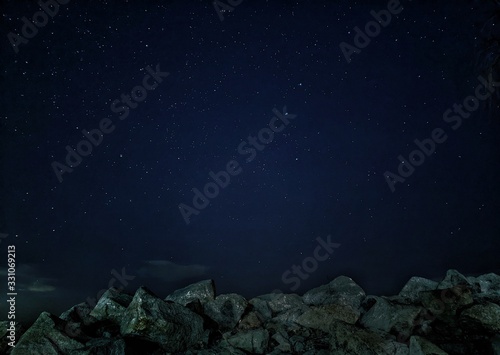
[111, 305]
[45, 337]
[252, 341]
[453, 278]
[261, 306]
[290, 315]
[226, 310]
[172, 326]
[250, 321]
[411, 291]
[486, 287]
[203, 291]
[482, 317]
[105, 346]
[317, 318]
[342, 290]
[4, 333]
[348, 339]
[421, 346]
[387, 317]
[280, 302]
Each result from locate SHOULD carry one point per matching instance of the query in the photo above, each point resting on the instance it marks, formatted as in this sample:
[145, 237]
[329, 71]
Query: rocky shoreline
[459, 315]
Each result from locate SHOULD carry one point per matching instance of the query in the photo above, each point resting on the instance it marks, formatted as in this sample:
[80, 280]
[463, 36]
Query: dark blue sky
[321, 175]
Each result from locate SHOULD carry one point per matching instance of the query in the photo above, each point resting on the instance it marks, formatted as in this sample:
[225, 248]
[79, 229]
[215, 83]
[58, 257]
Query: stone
[411, 291]
[46, 337]
[203, 291]
[252, 341]
[421, 346]
[172, 326]
[342, 290]
[111, 305]
[226, 310]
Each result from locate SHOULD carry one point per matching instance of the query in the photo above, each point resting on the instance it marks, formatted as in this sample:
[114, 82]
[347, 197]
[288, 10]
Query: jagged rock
[172, 326]
[342, 290]
[316, 318]
[486, 287]
[482, 317]
[108, 346]
[280, 302]
[250, 321]
[453, 278]
[226, 310]
[5, 333]
[290, 315]
[203, 291]
[348, 339]
[46, 337]
[261, 306]
[411, 291]
[421, 346]
[111, 305]
[445, 303]
[457, 316]
[252, 341]
[386, 317]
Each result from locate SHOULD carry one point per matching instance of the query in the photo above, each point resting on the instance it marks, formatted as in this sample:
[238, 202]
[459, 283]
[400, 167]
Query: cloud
[170, 272]
[29, 278]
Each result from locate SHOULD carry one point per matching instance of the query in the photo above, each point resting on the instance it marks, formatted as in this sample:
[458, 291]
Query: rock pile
[459, 315]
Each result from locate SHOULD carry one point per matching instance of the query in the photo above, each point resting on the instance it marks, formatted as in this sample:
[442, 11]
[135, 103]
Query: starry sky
[167, 142]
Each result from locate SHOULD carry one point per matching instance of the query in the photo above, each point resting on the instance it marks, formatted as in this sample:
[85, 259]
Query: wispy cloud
[30, 279]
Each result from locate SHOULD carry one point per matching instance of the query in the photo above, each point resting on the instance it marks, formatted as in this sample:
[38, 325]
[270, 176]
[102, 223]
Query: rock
[457, 316]
[111, 305]
[203, 291]
[46, 337]
[317, 318]
[250, 321]
[482, 317]
[411, 291]
[386, 317]
[420, 346]
[4, 333]
[172, 326]
[252, 341]
[342, 290]
[348, 339]
[453, 278]
[226, 310]
[261, 307]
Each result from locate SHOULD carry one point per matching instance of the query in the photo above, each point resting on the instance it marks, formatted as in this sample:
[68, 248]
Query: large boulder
[172, 326]
[46, 337]
[411, 291]
[203, 291]
[342, 290]
[226, 310]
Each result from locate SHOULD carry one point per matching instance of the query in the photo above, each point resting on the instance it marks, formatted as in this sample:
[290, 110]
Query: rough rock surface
[459, 315]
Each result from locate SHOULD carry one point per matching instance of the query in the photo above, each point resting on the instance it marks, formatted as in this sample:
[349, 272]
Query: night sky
[167, 142]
